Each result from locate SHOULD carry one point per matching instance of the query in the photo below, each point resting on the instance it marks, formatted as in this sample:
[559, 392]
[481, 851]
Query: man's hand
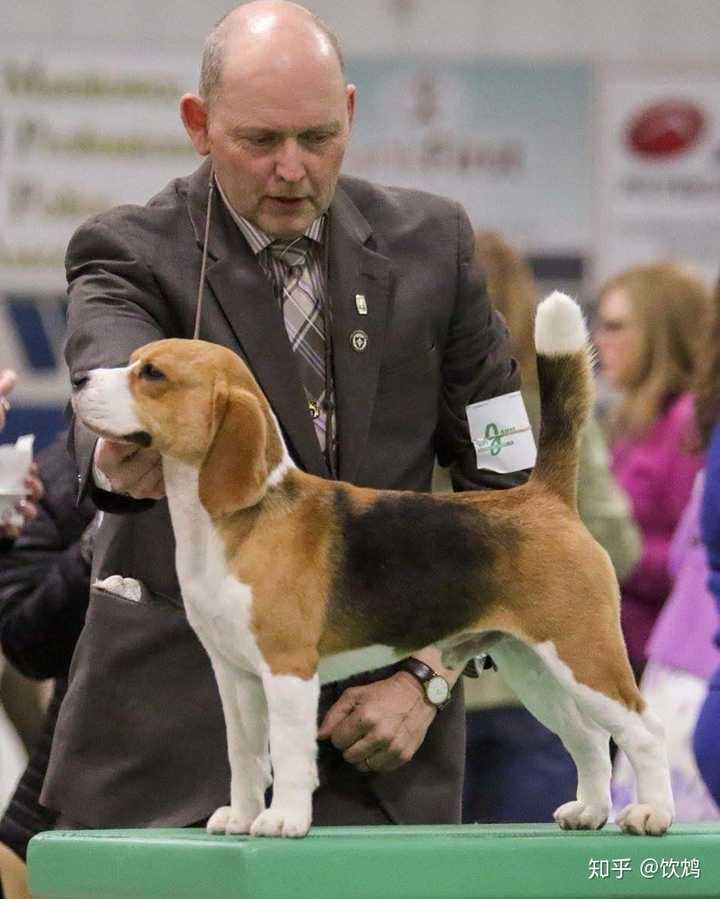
[131, 470]
[8, 379]
[379, 726]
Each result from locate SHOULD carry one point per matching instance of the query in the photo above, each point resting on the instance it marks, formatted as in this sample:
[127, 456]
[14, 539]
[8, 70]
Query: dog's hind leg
[642, 739]
[605, 690]
[535, 683]
[292, 705]
[245, 711]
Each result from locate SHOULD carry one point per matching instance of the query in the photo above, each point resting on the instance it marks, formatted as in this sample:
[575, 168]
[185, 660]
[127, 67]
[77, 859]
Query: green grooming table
[464, 862]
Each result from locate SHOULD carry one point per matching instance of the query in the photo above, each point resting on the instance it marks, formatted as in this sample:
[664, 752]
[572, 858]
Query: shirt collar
[257, 238]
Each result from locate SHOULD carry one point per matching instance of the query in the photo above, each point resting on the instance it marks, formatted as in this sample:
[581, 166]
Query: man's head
[274, 114]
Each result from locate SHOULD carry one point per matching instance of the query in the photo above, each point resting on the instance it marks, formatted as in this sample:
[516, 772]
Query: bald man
[407, 341]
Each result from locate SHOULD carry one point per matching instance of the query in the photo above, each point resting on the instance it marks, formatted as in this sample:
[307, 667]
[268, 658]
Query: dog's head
[193, 401]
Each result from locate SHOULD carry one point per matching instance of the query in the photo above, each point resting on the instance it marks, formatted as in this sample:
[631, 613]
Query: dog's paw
[228, 820]
[640, 818]
[279, 821]
[577, 815]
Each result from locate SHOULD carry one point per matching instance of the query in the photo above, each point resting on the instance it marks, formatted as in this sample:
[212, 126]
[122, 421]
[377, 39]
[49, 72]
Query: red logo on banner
[667, 128]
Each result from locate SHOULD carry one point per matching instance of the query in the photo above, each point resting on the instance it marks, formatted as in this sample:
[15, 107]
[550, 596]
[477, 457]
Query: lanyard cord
[327, 311]
[203, 264]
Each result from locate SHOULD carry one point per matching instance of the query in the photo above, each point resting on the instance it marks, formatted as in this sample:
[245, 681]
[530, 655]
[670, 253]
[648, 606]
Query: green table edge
[396, 862]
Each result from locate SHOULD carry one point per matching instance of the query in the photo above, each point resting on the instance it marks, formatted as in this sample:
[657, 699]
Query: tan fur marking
[286, 560]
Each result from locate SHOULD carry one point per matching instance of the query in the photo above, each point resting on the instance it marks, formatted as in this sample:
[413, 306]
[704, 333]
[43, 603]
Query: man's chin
[287, 225]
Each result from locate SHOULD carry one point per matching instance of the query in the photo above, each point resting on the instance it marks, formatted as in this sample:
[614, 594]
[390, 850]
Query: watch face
[437, 690]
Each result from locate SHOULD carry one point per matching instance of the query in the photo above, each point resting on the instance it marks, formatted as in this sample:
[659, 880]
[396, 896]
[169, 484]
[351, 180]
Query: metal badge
[358, 341]
[361, 304]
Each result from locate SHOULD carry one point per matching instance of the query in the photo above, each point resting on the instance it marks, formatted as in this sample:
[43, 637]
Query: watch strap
[421, 671]
[424, 673]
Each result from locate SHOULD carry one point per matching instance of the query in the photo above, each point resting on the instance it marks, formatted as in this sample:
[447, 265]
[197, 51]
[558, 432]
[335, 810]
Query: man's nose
[79, 380]
[289, 164]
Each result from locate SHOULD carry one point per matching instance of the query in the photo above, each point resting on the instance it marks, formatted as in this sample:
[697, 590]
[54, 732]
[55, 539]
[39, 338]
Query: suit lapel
[355, 271]
[246, 297]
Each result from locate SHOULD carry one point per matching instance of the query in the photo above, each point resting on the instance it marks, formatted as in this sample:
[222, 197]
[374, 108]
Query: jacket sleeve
[115, 306]
[650, 580]
[476, 365]
[710, 513]
[603, 506]
[44, 581]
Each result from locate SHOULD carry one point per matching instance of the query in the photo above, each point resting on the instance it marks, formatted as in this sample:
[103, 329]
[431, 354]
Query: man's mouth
[288, 202]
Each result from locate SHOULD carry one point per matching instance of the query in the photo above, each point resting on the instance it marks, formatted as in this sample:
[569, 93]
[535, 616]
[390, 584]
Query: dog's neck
[192, 526]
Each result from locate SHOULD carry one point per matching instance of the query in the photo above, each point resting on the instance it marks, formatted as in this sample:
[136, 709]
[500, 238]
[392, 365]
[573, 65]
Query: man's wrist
[436, 688]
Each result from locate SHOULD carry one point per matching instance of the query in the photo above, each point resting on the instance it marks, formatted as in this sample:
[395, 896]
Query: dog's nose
[79, 380]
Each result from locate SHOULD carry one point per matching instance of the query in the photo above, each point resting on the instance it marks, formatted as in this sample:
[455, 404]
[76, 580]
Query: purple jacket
[657, 471]
[680, 636]
[710, 526]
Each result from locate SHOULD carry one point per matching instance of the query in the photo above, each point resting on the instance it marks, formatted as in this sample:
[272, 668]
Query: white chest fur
[218, 606]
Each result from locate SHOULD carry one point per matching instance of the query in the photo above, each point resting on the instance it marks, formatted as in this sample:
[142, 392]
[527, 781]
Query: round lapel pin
[358, 341]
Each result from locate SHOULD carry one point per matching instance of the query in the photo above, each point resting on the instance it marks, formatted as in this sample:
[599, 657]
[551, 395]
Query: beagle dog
[283, 573]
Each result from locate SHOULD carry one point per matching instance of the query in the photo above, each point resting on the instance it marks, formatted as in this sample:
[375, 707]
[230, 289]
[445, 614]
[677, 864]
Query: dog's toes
[577, 815]
[281, 822]
[218, 820]
[227, 820]
[640, 818]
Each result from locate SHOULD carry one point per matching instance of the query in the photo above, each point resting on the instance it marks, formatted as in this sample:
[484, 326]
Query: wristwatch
[437, 689]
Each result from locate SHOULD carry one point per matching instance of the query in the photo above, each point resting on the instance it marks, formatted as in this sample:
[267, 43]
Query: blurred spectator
[27, 508]
[22, 697]
[44, 589]
[681, 659]
[8, 380]
[650, 323]
[516, 769]
[707, 733]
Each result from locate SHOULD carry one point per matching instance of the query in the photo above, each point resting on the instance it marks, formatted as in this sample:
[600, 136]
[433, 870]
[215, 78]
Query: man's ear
[350, 97]
[234, 472]
[193, 113]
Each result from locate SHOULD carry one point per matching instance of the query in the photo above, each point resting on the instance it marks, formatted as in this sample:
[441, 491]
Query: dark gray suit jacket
[140, 738]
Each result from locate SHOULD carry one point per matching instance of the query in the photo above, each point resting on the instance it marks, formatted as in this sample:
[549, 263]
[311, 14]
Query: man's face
[277, 137]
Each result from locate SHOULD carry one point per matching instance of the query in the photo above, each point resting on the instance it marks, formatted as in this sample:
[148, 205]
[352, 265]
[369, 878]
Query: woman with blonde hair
[650, 325]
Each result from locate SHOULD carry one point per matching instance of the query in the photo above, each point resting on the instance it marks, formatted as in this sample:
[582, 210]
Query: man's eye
[151, 373]
[263, 140]
[316, 137]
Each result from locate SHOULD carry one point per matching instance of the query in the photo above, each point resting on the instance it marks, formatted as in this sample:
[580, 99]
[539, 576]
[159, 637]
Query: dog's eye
[151, 373]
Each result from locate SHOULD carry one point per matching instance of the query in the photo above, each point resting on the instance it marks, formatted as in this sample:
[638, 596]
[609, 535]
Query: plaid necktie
[302, 306]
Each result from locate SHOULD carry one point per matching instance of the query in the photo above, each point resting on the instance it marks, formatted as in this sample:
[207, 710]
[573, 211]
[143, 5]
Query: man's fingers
[149, 485]
[132, 470]
[365, 747]
[386, 760]
[335, 714]
[114, 450]
[352, 728]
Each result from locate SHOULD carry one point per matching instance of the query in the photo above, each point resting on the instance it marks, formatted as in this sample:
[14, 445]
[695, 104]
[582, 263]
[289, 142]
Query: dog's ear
[234, 471]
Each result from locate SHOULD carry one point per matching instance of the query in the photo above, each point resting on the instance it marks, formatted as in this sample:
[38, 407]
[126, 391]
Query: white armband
[501, 434]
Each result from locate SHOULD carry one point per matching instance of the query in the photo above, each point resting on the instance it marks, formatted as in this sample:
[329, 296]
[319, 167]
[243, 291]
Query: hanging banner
[510, 141]
[658, 169]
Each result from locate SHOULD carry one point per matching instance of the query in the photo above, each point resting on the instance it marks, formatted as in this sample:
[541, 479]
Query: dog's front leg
[292, 705]
[245, 711]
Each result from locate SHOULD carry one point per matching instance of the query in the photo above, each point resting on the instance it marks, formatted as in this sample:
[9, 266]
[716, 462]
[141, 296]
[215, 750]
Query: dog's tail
[564, 362]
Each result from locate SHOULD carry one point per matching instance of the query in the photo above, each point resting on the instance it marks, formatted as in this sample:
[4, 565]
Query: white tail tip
[560, 328]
